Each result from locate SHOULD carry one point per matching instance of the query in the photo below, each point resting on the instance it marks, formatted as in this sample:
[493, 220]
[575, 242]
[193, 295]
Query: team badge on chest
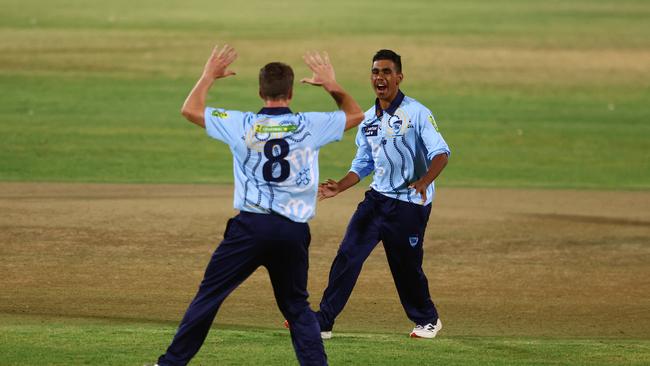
[397, 124]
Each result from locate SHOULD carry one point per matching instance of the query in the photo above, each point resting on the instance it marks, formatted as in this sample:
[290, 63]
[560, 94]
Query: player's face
[385, 79]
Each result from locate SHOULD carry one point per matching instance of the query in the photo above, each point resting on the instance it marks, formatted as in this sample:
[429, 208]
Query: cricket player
[399, 141]
[275, 163]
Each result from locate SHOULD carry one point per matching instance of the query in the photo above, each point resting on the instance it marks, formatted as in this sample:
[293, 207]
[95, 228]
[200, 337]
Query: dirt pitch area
[499, 262]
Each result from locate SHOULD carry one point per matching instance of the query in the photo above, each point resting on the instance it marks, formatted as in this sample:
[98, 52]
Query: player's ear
[400, 77]
[290, 94]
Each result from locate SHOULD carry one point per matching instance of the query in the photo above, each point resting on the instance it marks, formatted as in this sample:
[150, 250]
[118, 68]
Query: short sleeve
[362, 164]
[431, 137]
[223, 125]
[325, 127]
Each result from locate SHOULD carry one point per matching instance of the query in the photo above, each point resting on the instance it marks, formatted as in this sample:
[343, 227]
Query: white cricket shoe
[426, 331]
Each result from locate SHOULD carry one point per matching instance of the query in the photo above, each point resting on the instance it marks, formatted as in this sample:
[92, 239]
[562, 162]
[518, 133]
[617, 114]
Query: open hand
[328, 189]
[323, 71]
[220, 59]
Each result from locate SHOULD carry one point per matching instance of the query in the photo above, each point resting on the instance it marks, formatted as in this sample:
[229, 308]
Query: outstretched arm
[331, 187]
[362, 165]
[323, 75]
[215, 68]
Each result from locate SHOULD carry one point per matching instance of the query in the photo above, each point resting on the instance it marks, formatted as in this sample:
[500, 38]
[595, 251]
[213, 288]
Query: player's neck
[275, 103]
[385, 103]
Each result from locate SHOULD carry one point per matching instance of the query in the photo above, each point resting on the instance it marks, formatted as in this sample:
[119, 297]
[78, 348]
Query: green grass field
[527, 94]
[31, 340]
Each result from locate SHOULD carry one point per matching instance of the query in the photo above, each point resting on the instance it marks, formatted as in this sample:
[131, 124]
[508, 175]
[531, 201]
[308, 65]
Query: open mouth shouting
[381, 86]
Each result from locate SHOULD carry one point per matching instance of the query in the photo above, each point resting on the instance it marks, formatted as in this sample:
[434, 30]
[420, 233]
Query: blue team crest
[413, 240]
[397, 124]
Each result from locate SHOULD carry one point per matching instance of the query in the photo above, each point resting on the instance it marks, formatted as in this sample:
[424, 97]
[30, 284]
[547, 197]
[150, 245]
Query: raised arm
[323, 75]
[215, 68]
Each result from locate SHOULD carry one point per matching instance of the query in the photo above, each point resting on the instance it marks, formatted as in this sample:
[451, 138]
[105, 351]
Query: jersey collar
[392, 107]
[275, 111]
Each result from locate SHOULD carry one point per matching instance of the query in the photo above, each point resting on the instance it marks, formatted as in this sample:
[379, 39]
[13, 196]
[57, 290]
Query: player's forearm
[438, 163]
[348, 181]
[345, 102]
[194, 105]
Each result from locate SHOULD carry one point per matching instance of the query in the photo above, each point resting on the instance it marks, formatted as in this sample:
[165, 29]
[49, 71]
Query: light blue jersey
[398, 144]
[275, 156]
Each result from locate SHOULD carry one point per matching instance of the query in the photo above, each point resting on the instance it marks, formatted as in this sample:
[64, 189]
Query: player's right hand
[328, 189]
[220, 59]
[322, 69]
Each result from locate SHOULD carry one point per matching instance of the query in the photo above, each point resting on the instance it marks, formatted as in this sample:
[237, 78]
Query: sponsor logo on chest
[371, 130]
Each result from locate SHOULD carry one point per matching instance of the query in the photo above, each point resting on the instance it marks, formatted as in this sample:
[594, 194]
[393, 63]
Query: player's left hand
[323, 71]
[420, 187]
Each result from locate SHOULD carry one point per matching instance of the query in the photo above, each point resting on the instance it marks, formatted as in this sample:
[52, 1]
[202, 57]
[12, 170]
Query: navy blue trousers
[400, 226]
[253, 240]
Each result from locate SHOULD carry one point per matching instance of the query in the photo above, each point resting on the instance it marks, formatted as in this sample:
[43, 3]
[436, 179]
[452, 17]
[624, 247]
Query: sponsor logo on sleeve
[433, 122]
[413, 240]
[220, 114]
